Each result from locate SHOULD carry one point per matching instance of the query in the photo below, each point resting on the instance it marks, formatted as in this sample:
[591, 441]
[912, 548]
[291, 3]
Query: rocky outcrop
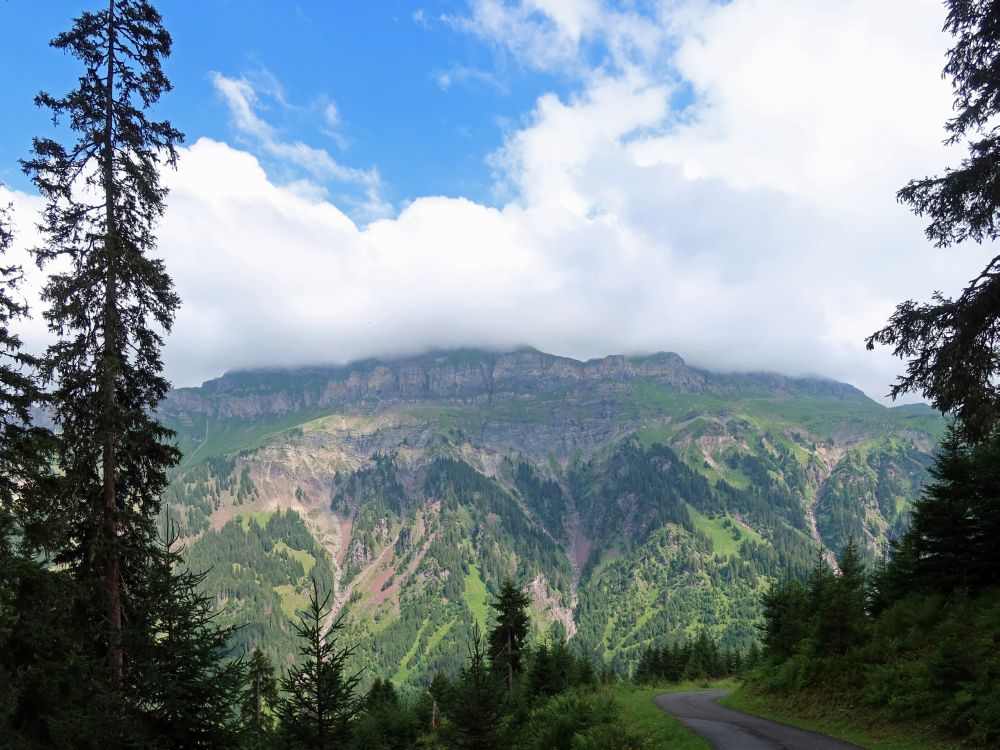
[463, 378]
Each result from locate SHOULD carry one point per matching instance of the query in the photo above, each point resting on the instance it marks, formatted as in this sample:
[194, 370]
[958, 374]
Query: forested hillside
[638, 501]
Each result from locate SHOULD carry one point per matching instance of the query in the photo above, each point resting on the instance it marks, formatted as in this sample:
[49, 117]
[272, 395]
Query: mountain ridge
[637, 499]
[468, 375]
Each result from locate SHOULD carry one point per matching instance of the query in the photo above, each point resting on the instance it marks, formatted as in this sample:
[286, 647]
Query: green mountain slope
[637, 499]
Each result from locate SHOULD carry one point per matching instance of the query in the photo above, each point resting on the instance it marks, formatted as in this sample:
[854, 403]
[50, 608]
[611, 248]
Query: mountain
[638, 499]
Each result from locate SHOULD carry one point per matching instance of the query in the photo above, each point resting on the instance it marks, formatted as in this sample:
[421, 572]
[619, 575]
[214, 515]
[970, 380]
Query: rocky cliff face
[460, 378]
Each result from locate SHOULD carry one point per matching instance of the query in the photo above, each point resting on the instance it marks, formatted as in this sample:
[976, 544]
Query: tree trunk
[112, 574]
[510, 662]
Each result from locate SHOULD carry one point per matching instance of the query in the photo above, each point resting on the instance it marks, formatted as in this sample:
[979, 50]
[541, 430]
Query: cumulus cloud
[755, 229]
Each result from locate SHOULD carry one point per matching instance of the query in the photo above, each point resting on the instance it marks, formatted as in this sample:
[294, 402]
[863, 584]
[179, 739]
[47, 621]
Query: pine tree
[16, 391]
[319, 704]
[507, 639]
[951, 542]
[104, 199]
[786, 620]
[843, 621]
[25, 478]
[259, 701]
[47, 694]
[985, 462]
[952, 346]
[477, 707]
[53, 689]
[186, 689]
[386, 722]
[943, 521]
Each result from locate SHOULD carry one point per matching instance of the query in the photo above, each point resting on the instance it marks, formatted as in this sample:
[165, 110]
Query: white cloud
[469, 76]
[835, 101]
[331, 115]
[554, 35]
[242, 99]
[756, 230]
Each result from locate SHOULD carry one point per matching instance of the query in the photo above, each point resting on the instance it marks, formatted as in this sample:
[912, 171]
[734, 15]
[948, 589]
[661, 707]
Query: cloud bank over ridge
[721, 185]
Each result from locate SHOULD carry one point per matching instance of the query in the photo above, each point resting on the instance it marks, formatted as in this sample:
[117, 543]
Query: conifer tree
[477, 707]
[952, 346]
[15, 389]
[951, 542]
[843, 620]
[25, 478]
[385, 721]
[319, 703]
[786, 619]
[507, 639]
[259, 701]
[180, 684]
[46, 695]
[943, 522]
[109, 307]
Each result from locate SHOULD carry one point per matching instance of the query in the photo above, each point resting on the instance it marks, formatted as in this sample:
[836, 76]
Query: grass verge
[816, 712]
[476, 596]
[658, 728]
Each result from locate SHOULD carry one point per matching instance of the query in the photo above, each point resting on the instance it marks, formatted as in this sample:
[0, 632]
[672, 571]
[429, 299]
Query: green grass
[818, 714]
[307, 560]
[292, 602]
[662, 434]
[658, 728]
[403, 673]
[439, 634]
[475, 596]
[445, 417]
[609, 629]
[608, 556]
[225, 437]
[654, 397]
[722, 538]
[261, 518]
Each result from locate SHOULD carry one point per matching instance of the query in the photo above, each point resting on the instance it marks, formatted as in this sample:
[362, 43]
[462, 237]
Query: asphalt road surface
[727, 729]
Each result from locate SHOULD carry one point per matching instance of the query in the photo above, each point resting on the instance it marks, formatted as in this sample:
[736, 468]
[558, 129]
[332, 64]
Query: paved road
[727, 729]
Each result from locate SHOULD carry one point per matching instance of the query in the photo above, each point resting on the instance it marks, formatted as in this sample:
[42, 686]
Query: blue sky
[584, 176]
[417, 99]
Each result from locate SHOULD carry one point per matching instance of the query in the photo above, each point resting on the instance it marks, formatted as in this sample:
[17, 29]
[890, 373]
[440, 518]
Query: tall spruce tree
[786, 619]
[181, 685]
[37, 691]
[951, 544]
[844, 621]
[508, 638]
[319, 701]
[259, 702]
[477, 709]
[111, 306]
[53, 687]
[953, 345]
[943, 523]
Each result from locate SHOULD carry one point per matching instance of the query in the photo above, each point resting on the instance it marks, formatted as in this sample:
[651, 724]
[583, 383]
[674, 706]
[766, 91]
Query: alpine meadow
[390, 522]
